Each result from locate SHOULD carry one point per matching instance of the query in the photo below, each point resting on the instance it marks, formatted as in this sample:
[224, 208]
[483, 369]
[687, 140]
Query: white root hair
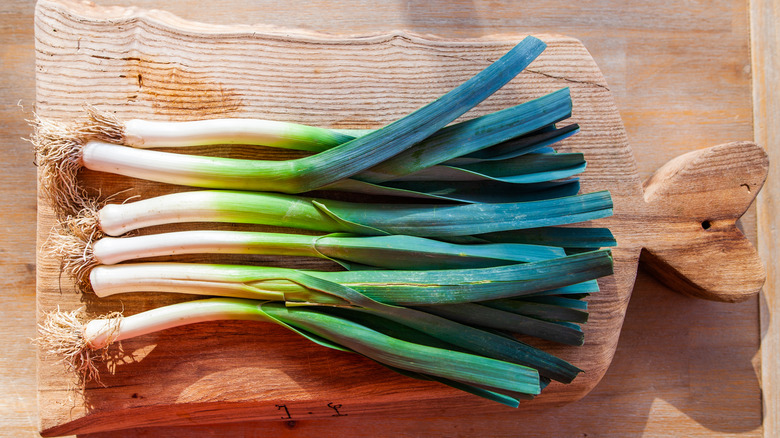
[72, 242]
[58, 147]
[61, 334]
[103, 126]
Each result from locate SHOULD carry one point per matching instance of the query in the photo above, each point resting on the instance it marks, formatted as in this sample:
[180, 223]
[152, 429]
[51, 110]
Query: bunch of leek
[435, 309]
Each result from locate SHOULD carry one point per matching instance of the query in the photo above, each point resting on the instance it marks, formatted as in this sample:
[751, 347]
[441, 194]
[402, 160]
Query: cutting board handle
[694, 202]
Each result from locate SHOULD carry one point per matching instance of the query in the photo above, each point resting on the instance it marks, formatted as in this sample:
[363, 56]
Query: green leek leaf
[454, 365]
[456, 220]
[473, 135]
[556, 236]
[549, 311]
[535, 142]
[496, 318]
[484, 191]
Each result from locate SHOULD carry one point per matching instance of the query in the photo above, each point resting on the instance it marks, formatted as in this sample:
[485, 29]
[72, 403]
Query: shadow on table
[678, 357]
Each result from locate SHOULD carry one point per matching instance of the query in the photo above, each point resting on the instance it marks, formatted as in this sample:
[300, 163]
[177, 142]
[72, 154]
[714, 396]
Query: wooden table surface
[683, 78]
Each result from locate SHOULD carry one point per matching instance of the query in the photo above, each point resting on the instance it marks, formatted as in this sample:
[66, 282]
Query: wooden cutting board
[153, 65]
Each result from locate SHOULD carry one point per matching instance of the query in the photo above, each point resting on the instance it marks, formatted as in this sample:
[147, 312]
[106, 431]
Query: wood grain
[681, 76]
[766, 72]
[156, 66]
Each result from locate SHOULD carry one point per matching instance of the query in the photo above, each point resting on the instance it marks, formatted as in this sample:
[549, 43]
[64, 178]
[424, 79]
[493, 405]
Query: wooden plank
[654, 387]
[765, 43]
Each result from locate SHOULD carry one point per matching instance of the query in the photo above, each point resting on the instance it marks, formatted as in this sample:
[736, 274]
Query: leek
[303, 174]
[226, 173]
[81, 248]
[448, 143]
[523, 128]
[409, 288]
[79, 340]
[338, 216]
[141, 133]
[337, 290]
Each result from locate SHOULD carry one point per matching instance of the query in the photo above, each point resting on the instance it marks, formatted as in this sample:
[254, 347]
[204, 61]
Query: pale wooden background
[681, 74]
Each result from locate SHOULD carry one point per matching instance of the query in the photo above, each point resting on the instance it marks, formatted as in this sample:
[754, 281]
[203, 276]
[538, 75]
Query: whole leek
[395, 287]
[360, 218]
[81, 248]
[307, 173]
[78, 341]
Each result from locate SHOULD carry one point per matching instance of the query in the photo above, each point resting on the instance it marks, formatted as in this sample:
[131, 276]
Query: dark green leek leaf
[571, 303]
[529, 168]
[484, 191]
[449, 286]
[481, 342]
[472, 339]
[514, 322]
[526, 169]
[556, 236]
[581, 289]
[512, 401]
[541, 310]
[522, 145]
[408, 334]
